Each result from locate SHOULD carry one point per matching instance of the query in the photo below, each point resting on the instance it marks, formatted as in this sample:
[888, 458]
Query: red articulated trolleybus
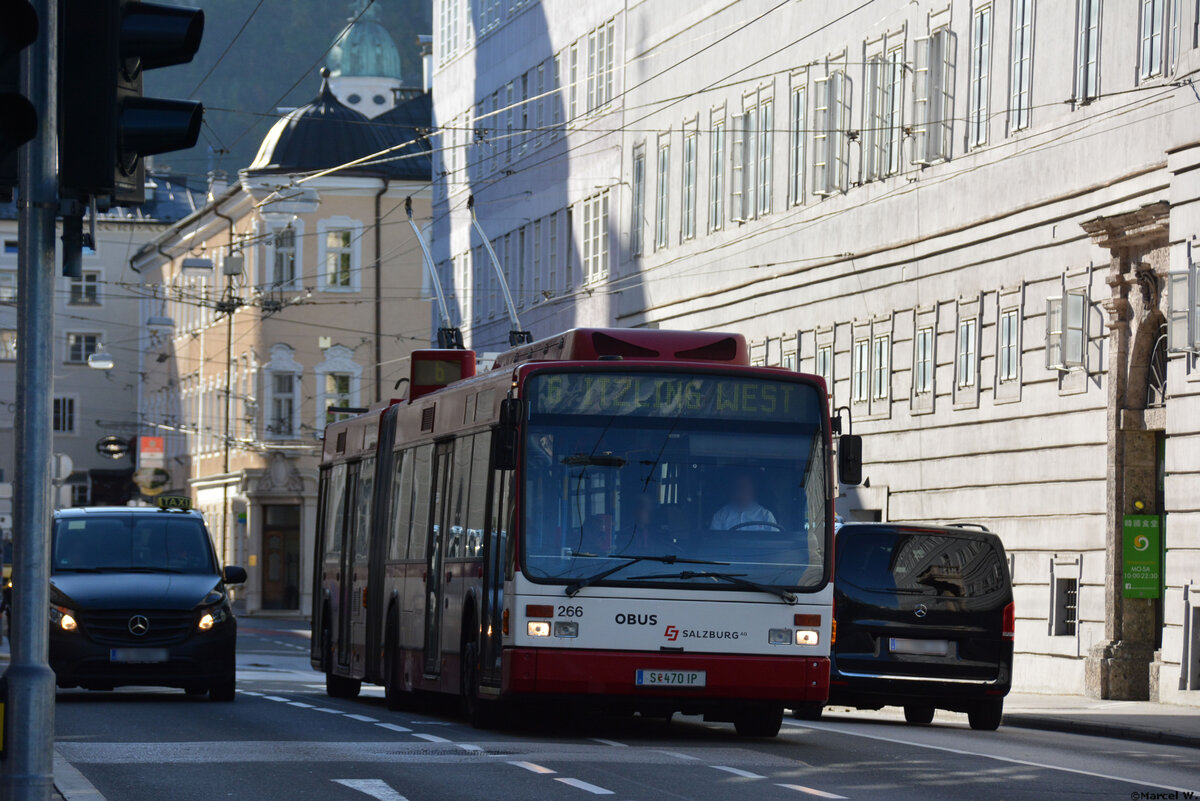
[633, 519]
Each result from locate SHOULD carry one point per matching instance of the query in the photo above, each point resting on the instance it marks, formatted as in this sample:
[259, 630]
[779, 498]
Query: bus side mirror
[850, 459]
[507, 437]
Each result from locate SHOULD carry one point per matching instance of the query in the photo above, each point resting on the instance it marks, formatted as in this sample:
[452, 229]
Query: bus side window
[362, 523]
[422, 483]
[477, 501]
[335, 507]
[402, 504]
[460, 481]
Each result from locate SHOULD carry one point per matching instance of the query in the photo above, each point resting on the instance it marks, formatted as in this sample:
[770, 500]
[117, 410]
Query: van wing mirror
[235, 575]
[506, 438]
[850, 459]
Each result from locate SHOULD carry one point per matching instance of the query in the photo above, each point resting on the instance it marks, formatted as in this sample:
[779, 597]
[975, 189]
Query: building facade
[292, 298]
[93, 313]
[973, 218]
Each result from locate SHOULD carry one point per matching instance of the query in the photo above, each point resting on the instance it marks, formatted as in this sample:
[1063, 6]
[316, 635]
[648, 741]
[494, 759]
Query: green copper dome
[364, 48]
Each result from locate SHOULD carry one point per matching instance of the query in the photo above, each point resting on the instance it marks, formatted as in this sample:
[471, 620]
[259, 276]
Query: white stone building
[974, 218]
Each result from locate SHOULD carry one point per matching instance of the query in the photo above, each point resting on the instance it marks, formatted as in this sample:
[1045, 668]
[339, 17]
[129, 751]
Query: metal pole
[28, 773]
[508, 299]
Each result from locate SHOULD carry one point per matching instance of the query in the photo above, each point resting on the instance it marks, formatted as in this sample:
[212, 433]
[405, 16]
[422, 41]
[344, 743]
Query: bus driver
[743, 508]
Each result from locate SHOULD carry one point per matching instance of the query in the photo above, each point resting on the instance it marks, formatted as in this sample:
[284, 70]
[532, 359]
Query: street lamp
[100, 361]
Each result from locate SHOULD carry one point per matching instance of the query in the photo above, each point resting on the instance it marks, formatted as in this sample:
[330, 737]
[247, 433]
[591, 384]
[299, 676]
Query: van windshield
[141, 543]
[920, 563]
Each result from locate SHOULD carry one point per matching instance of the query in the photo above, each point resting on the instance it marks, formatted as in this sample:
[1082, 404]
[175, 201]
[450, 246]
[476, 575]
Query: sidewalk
[1125, 720]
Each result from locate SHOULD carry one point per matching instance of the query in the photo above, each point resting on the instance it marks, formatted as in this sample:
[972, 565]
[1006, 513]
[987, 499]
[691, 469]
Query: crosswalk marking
[376, 788]
[811, 791]
[586, 786]
[738, 772]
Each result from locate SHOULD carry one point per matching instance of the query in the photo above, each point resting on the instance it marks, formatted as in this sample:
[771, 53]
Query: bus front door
[434, 561]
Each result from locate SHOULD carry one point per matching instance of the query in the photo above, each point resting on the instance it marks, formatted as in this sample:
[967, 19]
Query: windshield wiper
[594, 460]
[732, 578]
[667, 559]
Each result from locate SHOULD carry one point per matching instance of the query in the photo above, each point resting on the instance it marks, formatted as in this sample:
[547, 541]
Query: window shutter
[947, 51]
[821, 137]
[873, 136]
[737, 167]
[843, 142]
[1075, 330]
[1181, 322]
[1054, 359]
[750, 130]
[921, 89]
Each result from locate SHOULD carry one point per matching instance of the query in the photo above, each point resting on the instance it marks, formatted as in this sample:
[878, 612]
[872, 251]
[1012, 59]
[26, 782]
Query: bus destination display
[688, 396]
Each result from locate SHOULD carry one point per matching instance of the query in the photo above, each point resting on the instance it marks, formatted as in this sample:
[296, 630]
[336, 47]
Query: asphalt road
[284, 739]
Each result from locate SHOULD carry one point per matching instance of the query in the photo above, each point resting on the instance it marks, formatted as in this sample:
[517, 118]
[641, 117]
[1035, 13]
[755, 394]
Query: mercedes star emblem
[921, 611]
[139, 625]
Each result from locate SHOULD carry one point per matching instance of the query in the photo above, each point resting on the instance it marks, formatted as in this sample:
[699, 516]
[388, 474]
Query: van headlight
[63, 618]
[213, 617]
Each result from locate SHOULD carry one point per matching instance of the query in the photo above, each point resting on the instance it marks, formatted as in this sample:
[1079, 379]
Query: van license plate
[900, 645]
[671, 678]
[138, 656]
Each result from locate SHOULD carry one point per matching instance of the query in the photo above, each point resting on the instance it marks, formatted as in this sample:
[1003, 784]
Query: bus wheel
[336, 686]
[394, 695]
[808, 711]
[479, 713]
[759, 721]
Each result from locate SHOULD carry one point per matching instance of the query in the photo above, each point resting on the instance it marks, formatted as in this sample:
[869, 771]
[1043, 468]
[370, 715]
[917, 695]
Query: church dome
[323, 134]
[364, 48]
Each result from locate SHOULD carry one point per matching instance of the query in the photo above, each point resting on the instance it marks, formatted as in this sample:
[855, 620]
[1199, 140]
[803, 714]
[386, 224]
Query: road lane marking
[468, 747]
[250, 692]
[376, 788]
[274, 698]
[362, 718]
[679, 755]
[301, 704]
[738, 772]
[328, 710]
[391, 727]
[613, 743]
[433, 738]
[1011, 760]
[585, 786]
[811, 791]
[533, 768]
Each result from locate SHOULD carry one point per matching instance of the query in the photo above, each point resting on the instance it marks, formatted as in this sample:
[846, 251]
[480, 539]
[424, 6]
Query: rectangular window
[980, 86]
[765, 147]
[552, 256]
[923, 362]
[595, 237]
[1021, 88]
[556, 99]
[638, 222]
[1075, 330]
[8, 345]
[540, 104]
[881, 367]
[1066, 609]
[1183, 309]
[1087, 51]
[510, 112]
[8, 286]
[285, 257]
[79, 495]
[799, 134]
[662, 204]
[885, 91]
[338, 259]
[831, 121]
[861, 375]
[716, 176]
[85, 290]
[337, 395]
[933, 101]
[283, 403]
[824, 366]
[1010, 354]
[967, 331]
[689, 184]
[1150, 42]
[600, 55]
[573, 92]
[522, 260]
[737, 169]
[569, 255]
[537, 262]
[64, 415]
[80, 346]
[11, 246]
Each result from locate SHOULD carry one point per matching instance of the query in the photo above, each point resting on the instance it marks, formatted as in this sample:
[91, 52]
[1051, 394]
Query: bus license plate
[138, 655]
[671, 678]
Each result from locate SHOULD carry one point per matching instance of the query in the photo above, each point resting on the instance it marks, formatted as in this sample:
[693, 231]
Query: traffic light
[106, 126]
[18, 119]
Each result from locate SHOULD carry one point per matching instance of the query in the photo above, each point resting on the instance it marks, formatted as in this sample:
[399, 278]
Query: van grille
[112, 627]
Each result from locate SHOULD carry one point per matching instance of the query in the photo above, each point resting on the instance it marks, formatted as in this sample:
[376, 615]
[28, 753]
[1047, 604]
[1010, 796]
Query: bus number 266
[570, 611]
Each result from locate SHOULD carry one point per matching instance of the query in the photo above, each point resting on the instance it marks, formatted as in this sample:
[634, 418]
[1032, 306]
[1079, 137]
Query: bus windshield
[723, 479]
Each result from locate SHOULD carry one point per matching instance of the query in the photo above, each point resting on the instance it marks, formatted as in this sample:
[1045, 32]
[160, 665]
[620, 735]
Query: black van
[924, 619]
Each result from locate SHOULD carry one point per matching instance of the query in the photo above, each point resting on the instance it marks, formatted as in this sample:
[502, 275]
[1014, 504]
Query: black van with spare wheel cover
[138, 597]
[924, 620]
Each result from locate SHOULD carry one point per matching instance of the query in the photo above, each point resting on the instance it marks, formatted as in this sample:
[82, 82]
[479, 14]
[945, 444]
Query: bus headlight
[779, 637]
[565, 628]
[63, 617]
[538, 628]
[807, 637]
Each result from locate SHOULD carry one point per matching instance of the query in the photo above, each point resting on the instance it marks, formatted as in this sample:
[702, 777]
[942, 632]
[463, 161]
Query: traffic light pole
[28, 772]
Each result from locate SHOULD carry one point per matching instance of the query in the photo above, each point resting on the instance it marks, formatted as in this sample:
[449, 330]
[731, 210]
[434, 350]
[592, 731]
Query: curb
[1111, 730]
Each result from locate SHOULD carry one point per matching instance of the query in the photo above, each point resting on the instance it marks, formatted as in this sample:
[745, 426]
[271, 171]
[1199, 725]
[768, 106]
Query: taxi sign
[174, 502]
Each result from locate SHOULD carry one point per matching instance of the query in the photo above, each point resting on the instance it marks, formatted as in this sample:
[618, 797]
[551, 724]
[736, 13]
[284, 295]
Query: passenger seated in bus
[743, 508]
[596, 536]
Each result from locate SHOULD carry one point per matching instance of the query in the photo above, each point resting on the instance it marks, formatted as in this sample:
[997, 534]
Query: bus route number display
[687, 396]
